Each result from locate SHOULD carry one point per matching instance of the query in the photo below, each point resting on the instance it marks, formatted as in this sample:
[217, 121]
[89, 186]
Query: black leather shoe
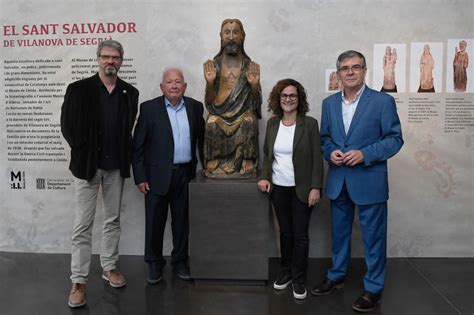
[299, 291]
[283, 280]
[154, 273]
[327, 286]
[182, 272]
[366, 302]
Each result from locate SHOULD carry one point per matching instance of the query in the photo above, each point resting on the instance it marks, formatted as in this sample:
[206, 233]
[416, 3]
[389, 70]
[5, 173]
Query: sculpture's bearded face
[232, 48]
[232, 38]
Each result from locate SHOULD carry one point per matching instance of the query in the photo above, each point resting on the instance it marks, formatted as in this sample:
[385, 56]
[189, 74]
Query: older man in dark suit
[169, 129]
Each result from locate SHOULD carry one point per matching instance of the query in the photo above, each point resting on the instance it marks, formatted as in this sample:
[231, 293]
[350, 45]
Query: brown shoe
[77, 295]
[115, 278]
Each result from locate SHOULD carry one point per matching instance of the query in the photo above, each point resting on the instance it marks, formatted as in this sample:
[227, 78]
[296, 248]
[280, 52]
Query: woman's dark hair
[274, 98]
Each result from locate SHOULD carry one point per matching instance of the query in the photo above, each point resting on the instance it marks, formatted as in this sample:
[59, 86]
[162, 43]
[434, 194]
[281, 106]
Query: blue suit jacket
[375, 130]
[153, 145]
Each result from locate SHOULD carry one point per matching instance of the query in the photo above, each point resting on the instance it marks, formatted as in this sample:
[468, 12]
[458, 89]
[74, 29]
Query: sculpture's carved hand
[210, 71]
[253, 74]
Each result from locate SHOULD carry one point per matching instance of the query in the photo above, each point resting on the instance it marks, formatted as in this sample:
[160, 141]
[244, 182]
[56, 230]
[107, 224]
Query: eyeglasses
[107, 57]
[354, 68]
[292, 97]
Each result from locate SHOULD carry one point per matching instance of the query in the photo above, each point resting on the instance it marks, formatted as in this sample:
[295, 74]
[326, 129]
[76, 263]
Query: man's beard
[232, 48]
[110, 71]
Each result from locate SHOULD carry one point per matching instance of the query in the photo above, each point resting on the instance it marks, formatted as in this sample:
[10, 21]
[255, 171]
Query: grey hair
[173, 69]
[350, 54]
[110, 43]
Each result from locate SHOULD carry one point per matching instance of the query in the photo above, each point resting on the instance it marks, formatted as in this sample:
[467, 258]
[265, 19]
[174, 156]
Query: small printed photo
[426, 67]
[459, 74]
[333, 83]
[389, 68]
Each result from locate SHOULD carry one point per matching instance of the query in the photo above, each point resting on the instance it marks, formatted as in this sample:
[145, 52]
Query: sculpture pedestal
[229, 230]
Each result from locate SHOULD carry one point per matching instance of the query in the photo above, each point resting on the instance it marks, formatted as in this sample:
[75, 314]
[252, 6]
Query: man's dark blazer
[153, 145]
[80, 124]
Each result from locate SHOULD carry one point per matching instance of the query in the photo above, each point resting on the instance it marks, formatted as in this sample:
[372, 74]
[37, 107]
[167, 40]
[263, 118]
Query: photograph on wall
[333, 84]
[459, 74]
[426, 67]
[390, 68]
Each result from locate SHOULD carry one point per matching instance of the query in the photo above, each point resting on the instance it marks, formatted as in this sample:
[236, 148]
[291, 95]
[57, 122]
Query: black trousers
[156, 214]
[293, 217]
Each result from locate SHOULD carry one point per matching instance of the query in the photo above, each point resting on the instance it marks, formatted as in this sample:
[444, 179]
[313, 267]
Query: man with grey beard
[97, 118]
[233, 99]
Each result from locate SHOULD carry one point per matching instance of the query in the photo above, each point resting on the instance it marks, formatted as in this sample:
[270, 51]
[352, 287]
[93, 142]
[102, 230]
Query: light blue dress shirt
[181, 133]
[349, 108]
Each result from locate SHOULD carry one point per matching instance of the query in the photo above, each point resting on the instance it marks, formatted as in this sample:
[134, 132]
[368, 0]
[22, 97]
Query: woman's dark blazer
[307, 156]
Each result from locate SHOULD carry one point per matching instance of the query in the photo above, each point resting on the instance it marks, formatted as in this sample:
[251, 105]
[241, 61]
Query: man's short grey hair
[173, 69]
[347, 55]
[110, 43]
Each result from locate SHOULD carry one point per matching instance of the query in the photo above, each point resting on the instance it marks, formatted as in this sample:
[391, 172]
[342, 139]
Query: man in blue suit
[168, 131]
[360, 131]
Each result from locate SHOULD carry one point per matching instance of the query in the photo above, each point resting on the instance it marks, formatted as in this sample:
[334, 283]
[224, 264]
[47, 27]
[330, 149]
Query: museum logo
[17, 180]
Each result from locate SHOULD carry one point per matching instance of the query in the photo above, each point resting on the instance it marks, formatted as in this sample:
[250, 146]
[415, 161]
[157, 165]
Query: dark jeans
[293, 217]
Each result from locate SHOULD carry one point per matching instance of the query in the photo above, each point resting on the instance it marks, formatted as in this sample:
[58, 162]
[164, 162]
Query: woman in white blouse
[293, 175]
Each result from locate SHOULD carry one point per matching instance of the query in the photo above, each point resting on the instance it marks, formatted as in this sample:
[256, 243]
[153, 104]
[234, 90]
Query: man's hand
[264, 185]
[337, 157]
[353, 157]
[143, 187]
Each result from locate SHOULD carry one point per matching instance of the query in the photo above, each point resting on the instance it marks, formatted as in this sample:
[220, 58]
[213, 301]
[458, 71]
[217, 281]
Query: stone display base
[230, 227]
